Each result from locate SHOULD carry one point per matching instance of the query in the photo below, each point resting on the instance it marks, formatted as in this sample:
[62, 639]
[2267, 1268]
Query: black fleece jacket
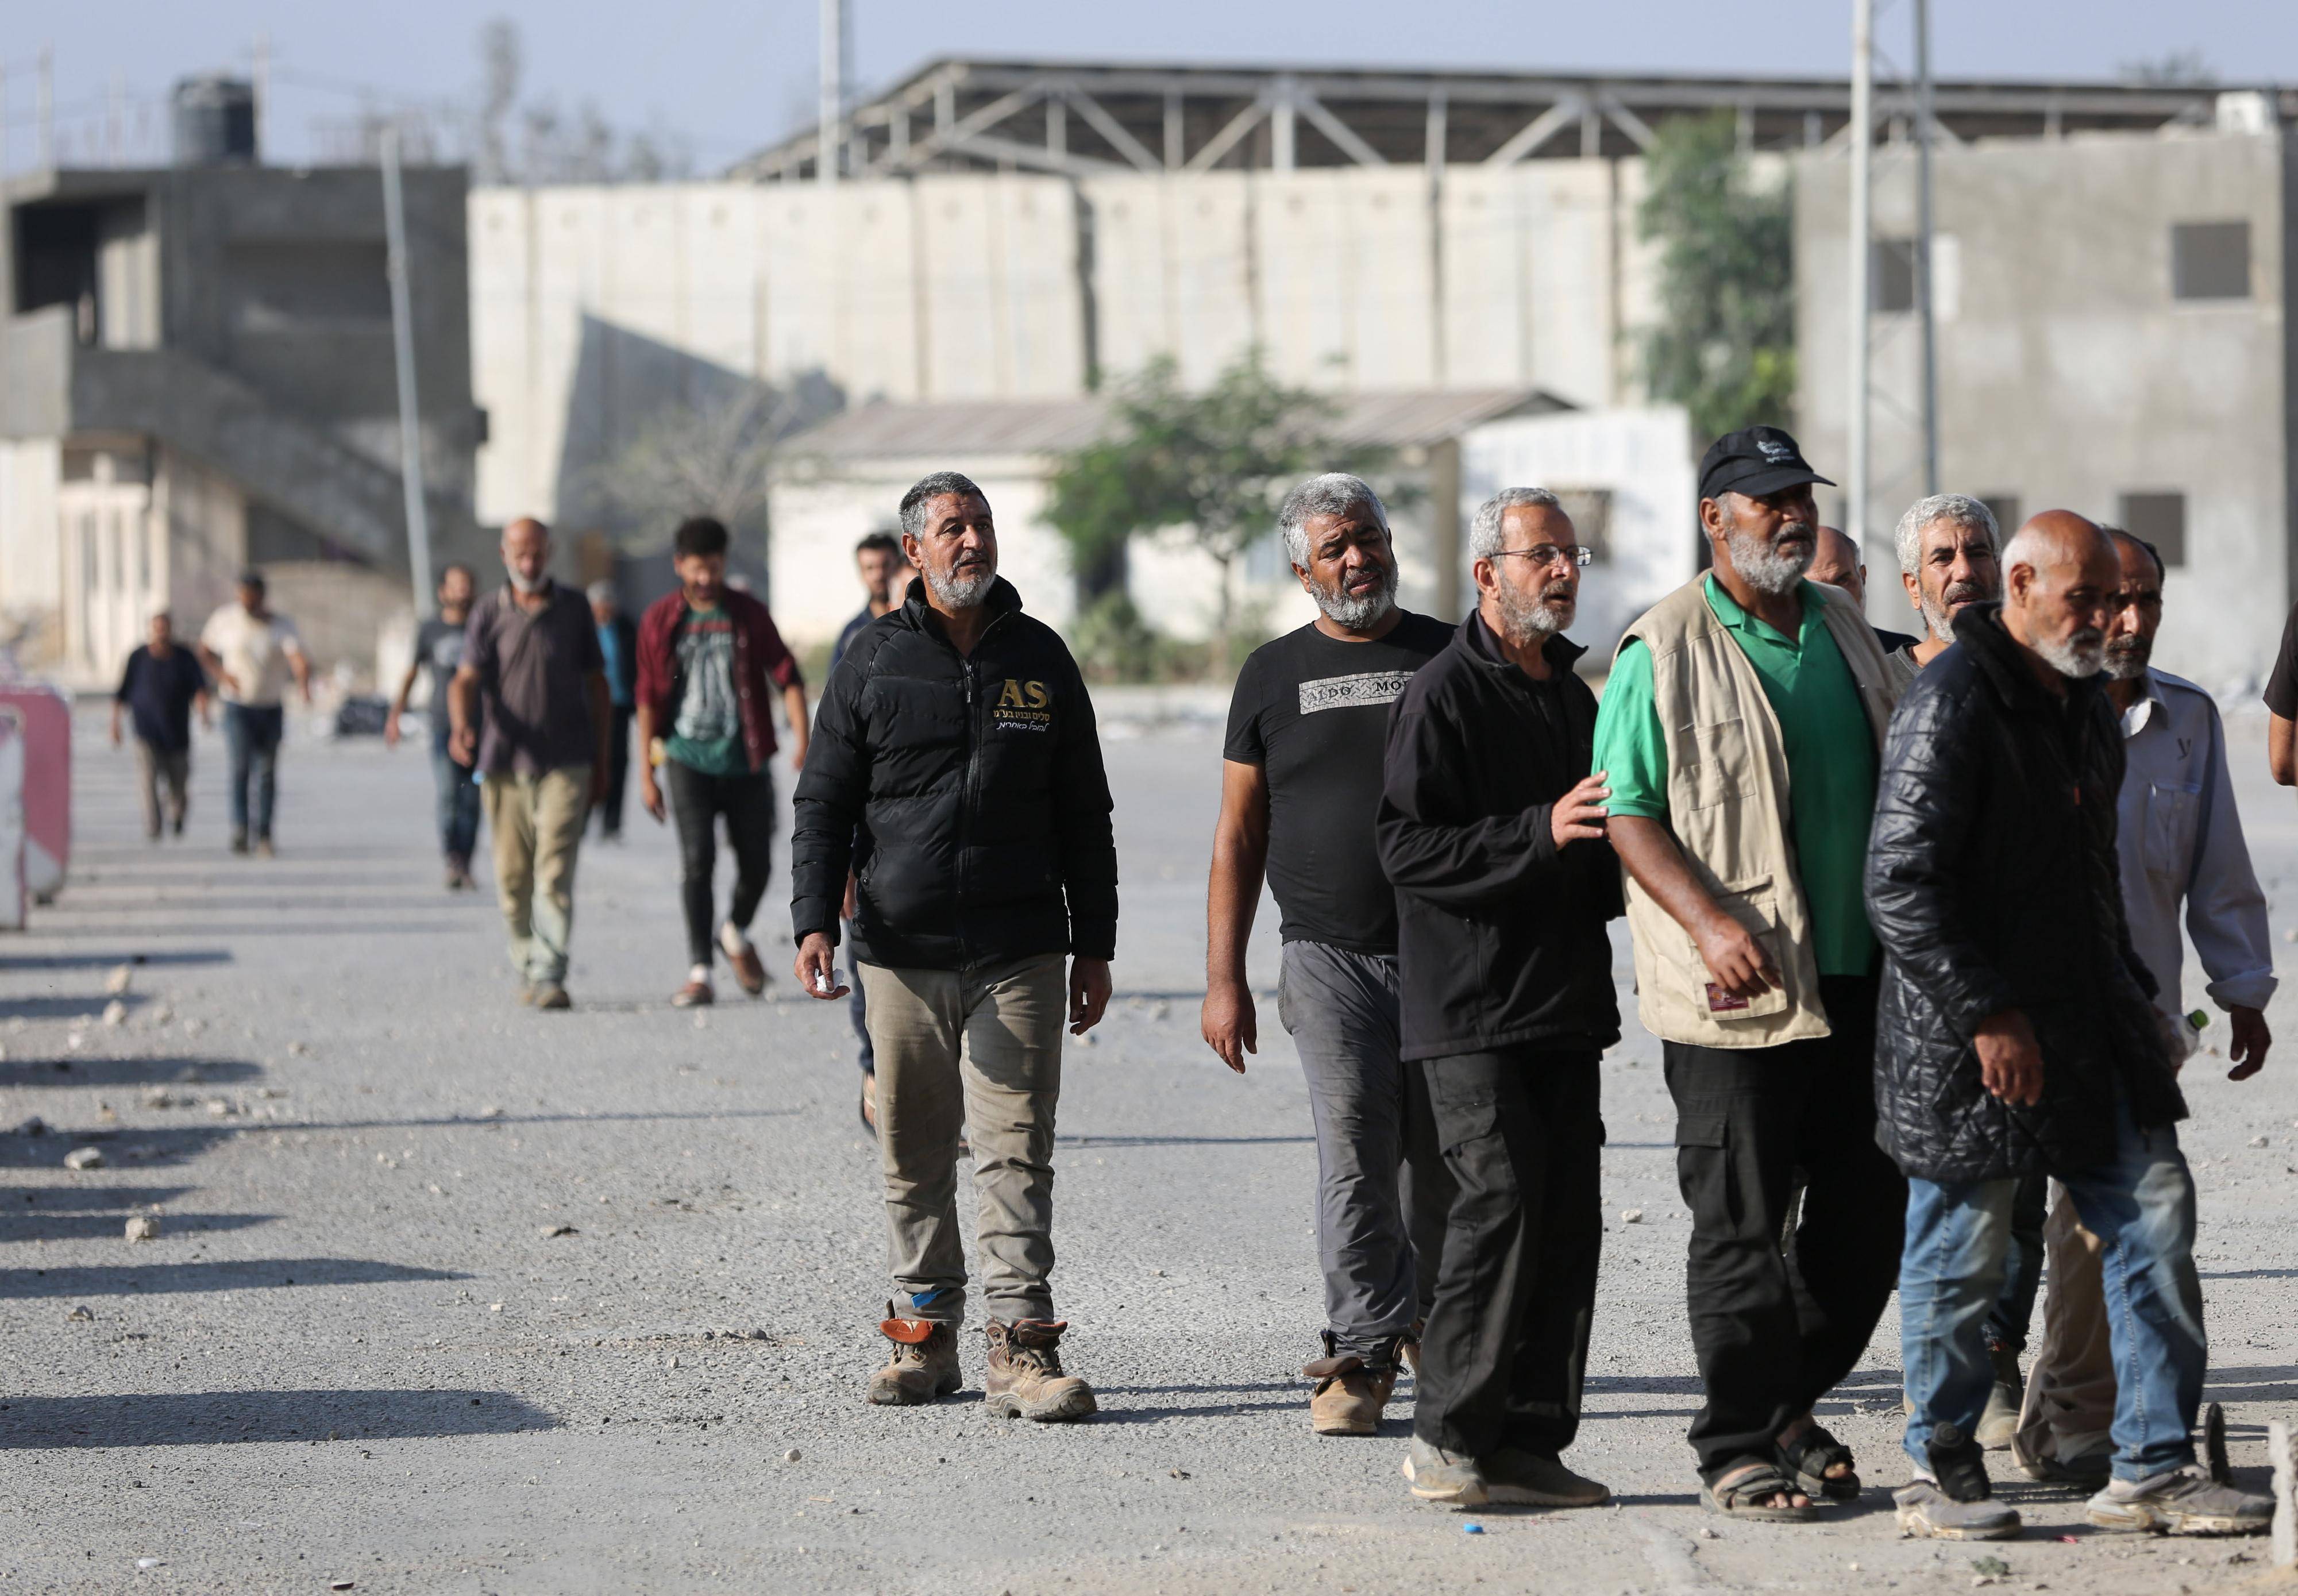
[1500, 936]
[966, 794]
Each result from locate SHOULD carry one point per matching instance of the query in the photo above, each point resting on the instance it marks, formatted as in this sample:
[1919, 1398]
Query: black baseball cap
[1755, 460]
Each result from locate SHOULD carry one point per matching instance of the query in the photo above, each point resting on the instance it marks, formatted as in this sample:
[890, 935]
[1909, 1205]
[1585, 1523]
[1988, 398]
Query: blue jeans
[2141, 1206]
[459, 801]
[251, 732]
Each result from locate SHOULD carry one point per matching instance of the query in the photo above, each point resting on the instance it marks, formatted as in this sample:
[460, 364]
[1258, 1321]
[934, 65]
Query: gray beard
[524, 585]
[961, 593]
[1764, 569]
[2078, 657]
[1528, 621]
[1937, 617]
[1356, 614]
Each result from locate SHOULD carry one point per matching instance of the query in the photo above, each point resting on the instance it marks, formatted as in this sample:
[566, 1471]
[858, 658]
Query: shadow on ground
[210, 1418]
[125, 1071]
[160, 1279]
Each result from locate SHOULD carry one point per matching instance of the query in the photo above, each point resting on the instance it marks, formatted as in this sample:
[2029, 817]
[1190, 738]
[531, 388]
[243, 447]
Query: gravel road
[449, 1295]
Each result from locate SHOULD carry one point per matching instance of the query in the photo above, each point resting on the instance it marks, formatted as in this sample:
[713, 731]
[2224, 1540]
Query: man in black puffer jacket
[2019, 1038]
[956, 770]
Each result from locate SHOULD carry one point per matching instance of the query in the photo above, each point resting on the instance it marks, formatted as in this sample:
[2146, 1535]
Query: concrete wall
[2068, 374]
[31, 573]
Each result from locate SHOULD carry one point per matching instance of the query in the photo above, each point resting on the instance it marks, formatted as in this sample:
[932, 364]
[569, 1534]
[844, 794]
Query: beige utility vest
[1728, 805]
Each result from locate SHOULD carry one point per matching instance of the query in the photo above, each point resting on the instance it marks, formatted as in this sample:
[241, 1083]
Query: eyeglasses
[1549, 554]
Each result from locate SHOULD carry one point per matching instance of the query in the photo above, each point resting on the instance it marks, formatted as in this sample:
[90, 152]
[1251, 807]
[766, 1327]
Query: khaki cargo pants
[537, 822]
[980, 1050]
[2068, 1410]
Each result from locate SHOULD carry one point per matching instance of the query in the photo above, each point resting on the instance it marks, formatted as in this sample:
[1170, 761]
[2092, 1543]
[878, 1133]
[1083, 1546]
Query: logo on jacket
[1023, 707]
[1353, 692]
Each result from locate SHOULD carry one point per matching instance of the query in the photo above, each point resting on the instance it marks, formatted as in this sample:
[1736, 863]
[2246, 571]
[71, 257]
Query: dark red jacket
[760, 656]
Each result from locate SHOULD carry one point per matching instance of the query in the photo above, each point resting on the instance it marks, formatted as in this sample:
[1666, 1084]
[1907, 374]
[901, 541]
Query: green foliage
[1724, 348]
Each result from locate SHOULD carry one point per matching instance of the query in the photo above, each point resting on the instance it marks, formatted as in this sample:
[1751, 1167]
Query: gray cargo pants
[1384, 1195]
[976, 1049]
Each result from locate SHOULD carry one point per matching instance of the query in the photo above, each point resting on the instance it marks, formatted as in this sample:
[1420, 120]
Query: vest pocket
[1719, 769]
[1682, 970]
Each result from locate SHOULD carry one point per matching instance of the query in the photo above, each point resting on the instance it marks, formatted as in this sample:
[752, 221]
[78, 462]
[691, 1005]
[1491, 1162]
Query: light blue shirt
[2178, 839]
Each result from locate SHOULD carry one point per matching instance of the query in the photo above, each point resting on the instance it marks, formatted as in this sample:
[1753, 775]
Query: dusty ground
[353, 1353]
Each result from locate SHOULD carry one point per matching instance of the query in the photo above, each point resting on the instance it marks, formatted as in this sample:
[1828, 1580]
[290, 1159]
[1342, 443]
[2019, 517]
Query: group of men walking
[1905, 915]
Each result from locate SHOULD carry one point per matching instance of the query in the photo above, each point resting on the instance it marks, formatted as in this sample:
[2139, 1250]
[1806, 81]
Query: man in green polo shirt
[1739, 733]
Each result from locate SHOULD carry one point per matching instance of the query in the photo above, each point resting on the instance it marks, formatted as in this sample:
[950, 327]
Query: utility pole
[1924, 246]
[262, 93]
[830, 140]
[44, 107]
[1862, 128]
[402, 346]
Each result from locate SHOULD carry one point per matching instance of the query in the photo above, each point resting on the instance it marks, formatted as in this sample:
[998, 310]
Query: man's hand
[2010, 1063]
[816, 958]
[2248, 1043]
[650, 792]
[1579, 815]
[1230, 1025]
[1089, 994]
[1736, 962]
[463, 746]
[115, 725]
[390, 728]
[226, 678]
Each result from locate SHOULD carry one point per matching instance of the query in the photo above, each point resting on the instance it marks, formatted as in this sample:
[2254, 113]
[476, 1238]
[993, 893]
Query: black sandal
[1808, 1458]
[1744, 1497]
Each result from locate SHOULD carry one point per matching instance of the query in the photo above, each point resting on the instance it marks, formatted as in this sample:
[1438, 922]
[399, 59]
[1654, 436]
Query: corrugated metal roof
[960, 428]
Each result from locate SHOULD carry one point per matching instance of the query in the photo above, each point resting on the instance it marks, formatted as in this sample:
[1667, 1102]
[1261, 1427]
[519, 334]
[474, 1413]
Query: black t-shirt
[1312, 712]
[439, 650]
[159, 694]
[2282, 686]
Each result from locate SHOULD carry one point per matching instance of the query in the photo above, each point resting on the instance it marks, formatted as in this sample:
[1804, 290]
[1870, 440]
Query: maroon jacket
[760, 655]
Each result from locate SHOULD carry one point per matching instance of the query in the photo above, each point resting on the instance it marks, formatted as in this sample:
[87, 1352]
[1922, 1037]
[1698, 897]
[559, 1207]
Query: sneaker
[264, 850]
[176, 824]
[551, 994]
[1450, 1478]
[696, 992]
[749, 969]
[1349, 1393]
[925, 1364]
[2000, 1419]
[1025, 1379]
[2088, 1473]
[239, 842]
[1535, 1479]
[2180, 1501]
[1925, 1509]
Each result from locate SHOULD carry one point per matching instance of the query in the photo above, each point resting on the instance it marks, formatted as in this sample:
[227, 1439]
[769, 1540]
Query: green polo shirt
[1831, 750]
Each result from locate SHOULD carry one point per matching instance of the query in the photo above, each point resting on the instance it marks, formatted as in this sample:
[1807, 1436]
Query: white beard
[961, 593]
[1764, 568]
[2078, 657]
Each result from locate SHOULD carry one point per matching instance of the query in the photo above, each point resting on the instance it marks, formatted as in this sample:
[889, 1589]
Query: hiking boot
[1533, 1479]
[2000, 1419]
[743, 953]
[1925, 1509]
[925, 1364]
[1450, 1478]
[1349, 1393]
[2180, 1501]
[551, 994]
[1025, 1378]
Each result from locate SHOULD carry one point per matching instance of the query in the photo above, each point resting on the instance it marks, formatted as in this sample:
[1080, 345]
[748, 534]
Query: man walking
[2020, 1038]
[706, 656]
[157, 688]
[1493, 832]
[253, 654]
[1300, 791]
[438, 652]
[1738, 734]
[2179, 852]
[531, 715]
[878, 562]
[956, 770]
[618, 645]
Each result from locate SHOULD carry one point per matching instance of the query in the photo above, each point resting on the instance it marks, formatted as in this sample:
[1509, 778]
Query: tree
[709, 459]
[1213, 464]
[1725, 347]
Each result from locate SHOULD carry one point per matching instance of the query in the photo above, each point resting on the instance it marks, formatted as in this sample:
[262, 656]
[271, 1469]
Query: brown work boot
[1025, 1379]
[925, 1364]
[1349, 1393]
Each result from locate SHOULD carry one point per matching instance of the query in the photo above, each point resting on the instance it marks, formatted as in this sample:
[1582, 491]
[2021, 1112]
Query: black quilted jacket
[1991, 882]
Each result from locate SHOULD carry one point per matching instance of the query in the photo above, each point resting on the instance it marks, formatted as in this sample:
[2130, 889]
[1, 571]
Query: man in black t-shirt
[158, 689]
[438, 651]
[1299, 787]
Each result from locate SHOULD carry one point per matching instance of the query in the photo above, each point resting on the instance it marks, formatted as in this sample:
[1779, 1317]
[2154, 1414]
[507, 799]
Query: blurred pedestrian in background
[618, 642]
[158, 689]
[531, 715]
[1840, 564]
[438, 652]
[885, 572]
[253, 654]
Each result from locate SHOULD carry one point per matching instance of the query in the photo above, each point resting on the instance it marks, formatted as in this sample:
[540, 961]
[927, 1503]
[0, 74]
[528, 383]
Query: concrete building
[2115, 330]
[196, 375]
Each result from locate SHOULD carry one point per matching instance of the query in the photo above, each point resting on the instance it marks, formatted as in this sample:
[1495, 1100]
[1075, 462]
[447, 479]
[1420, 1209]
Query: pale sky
[731, 76]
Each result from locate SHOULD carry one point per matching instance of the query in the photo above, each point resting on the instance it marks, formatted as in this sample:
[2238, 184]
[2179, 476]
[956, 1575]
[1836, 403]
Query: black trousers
[1505, 1347]
[618, 773]
[1775, 1328]
[697, 801]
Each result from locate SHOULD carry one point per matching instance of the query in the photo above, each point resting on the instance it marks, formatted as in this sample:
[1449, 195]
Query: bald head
[1836, 563]
[2061, 573]
[526, 553]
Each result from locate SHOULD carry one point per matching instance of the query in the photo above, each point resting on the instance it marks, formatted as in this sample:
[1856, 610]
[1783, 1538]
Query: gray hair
[1328, 494]
[601, 591]
[1969, 514]
[926, 489]
[1484, 530]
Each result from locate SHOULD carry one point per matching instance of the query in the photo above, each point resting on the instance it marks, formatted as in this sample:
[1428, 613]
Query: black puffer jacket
[966, 794]
[1991, 882]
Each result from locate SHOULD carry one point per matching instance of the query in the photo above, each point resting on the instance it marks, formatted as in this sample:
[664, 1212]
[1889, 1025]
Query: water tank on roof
[215, 122]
